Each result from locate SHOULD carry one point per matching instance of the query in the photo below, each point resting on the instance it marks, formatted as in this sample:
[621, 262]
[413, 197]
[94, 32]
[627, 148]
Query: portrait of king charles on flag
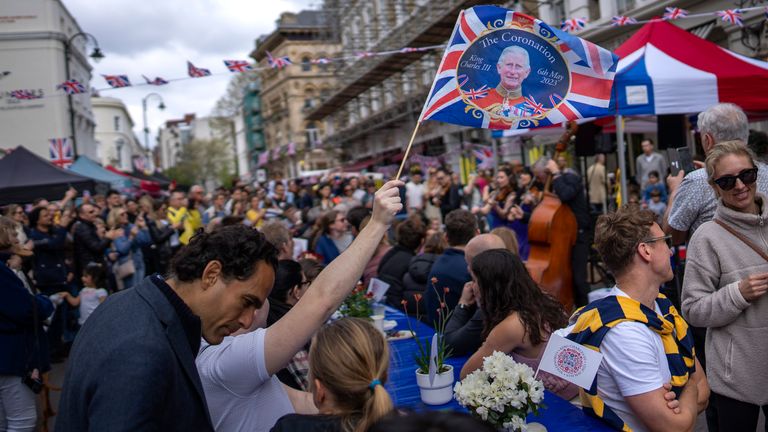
[506, 70]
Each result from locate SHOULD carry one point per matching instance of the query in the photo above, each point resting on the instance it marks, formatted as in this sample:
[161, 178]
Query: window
[117, 123]
[625, 5]
[306, 65]
[119, 145]
[313, 135]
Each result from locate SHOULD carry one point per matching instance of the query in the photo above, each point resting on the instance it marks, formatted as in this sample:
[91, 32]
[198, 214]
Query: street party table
[556, 415]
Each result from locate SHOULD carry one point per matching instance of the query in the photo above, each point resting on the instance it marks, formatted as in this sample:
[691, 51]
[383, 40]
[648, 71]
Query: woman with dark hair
[518, 316]
[499, 200]
[290, 285]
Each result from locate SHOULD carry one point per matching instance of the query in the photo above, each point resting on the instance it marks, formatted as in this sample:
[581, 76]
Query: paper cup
[378, 322]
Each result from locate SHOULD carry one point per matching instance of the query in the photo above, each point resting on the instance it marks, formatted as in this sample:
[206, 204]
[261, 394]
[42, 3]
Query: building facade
[171, 139]
[116, 144]
[33, 37]
[254, 125]
[288, 94]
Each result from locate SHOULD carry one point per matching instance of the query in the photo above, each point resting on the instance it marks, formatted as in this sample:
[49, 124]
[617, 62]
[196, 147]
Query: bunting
[731, 16]
[196, 72]
[621, 20]
[238, 65]
[72, 87]
[117, 81]
[278, 62]
[673, 13]
[156, 82]
[573, 25]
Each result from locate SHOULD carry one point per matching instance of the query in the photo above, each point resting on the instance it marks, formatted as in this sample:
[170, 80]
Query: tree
[230, 104]
[204, 162]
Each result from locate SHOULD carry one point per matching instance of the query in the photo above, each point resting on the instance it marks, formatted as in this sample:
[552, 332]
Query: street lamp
[96, 55]
[161, 106]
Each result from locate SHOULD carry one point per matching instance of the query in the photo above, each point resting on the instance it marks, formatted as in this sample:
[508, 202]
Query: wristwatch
[463, 306]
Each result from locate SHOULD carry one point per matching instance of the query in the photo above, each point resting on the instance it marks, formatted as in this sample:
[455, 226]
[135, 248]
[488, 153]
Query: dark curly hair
[237, 247]
[287, 276]
[506, 287]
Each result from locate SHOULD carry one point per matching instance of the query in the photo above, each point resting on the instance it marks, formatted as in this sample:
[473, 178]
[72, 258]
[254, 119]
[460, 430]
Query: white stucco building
[175, 134]
[116, 143]
[33, 36]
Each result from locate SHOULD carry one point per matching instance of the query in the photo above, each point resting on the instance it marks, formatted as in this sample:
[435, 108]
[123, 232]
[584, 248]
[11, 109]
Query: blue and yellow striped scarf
[595, 320]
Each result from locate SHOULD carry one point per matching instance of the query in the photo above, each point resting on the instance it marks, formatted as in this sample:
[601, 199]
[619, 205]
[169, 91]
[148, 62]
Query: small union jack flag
[238, 65]
[72, 87]
[673, 13]
[117, 81]
[321, 60]
[364, 54]
[732, 16]
[157, 81]
[278, 62]
[196, 72]
[409, 50]
[573, 24]
[61, 152]
[537, 108]
[24, 95]
[477, 94]
[621, 20]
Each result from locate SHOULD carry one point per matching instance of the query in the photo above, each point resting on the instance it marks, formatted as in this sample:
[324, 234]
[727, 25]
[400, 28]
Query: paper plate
[400, 335]
[389, 324]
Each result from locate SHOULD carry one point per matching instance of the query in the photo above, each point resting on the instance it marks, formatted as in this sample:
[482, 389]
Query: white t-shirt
[414, 195]
[241, 395]
[634, 362]
[90, 299]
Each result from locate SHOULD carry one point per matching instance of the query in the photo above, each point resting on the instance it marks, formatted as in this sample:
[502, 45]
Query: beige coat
[737, 335]
[597, 183]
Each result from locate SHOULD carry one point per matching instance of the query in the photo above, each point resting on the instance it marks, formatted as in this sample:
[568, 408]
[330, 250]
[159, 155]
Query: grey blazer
[131, 369]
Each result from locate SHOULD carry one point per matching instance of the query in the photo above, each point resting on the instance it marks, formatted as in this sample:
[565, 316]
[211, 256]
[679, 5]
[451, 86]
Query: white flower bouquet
[502, 393]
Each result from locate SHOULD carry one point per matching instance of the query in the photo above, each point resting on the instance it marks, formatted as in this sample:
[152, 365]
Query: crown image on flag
[507, 70]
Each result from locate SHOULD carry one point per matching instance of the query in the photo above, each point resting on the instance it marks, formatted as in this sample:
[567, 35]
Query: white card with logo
[570, 361]
[378, 287]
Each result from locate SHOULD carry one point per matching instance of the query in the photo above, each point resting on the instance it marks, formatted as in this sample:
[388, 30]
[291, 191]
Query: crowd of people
[209, 310]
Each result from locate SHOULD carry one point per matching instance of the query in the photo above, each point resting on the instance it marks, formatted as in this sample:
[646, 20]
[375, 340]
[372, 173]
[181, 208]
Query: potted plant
[358, 303]
[435, 385]
[502, 393]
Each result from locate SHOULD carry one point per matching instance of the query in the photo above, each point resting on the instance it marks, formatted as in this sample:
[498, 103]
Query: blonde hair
[7, 232]
[509, 237]
[113, 218]
[725, 148]
[351, 358]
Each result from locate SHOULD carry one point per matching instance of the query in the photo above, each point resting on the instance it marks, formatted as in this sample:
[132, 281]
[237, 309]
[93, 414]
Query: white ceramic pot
[441, 390]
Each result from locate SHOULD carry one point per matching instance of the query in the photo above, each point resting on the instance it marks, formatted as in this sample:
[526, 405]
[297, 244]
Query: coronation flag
[570, 361]
[238, 65]
[507, 70]
[196, 72]
[60, 151]
[117, 81]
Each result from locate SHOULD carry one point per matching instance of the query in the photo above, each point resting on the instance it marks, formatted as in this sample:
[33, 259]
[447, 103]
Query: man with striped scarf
[649, 379]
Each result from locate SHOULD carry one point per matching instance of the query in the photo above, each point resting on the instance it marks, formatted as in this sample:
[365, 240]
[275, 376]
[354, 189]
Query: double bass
[552, 231]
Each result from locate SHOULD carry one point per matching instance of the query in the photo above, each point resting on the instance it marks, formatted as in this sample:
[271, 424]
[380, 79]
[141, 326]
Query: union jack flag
[537, 108]
[621, 20]
[196, 72]
[61, 152]
[573, 24]
[321, 60]
[278, 62]
[591, 70]
[157, 81]
[238, 65]
[364, 54]
[484, 156]
[117, 81]
[139, 163]
[732, 16]
[673, 13]
[24, 95]
[479, 93]
[72, 87]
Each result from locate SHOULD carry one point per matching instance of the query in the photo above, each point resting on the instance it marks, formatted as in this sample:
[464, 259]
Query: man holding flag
[649, 378]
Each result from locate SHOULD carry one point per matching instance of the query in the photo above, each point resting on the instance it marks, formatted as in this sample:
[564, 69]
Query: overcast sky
[157, 37]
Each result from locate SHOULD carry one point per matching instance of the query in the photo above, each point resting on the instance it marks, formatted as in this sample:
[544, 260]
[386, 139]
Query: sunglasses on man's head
[728, 182]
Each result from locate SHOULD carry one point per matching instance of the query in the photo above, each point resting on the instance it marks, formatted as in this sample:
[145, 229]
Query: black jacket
[392, 267]
[50, 269]
[88, 246]
[415, 280]
[157, 256]
[132, 368]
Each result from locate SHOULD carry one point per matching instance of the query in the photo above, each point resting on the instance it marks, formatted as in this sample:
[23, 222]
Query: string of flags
[571, 25]
[729, 16]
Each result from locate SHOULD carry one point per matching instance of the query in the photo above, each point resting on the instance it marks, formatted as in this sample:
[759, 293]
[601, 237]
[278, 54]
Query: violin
[552, 231]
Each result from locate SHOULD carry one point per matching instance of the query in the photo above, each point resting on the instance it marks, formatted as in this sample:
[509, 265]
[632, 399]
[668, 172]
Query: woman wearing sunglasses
[725, 285]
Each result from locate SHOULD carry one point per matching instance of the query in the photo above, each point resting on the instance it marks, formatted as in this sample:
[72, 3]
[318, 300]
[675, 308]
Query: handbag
[743, 238]
[125, 269]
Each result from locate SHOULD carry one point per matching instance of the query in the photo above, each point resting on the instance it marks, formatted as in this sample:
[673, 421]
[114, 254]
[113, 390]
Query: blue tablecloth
[557, 414]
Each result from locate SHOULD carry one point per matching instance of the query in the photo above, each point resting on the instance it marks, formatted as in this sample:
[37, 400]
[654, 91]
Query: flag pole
[407, 150]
